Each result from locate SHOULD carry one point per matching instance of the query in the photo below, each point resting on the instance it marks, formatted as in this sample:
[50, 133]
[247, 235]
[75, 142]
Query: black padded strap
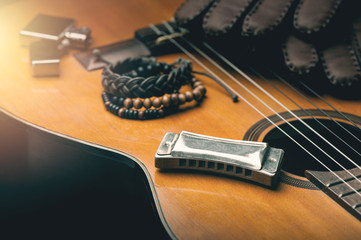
[300, 57]
[191, 9]
[341, 65]
[312, 16]
[265, 16]
[222, 16]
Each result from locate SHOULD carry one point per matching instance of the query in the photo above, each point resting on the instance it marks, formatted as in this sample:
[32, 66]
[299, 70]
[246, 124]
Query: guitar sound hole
[296, 160]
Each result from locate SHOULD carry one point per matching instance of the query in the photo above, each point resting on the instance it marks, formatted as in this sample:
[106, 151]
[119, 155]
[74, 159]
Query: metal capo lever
[254, 161]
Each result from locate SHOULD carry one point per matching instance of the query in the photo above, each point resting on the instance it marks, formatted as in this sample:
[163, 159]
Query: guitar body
[189, 204]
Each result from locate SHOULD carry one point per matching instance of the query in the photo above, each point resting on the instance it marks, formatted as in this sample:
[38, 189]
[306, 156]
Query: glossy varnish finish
[192, 205]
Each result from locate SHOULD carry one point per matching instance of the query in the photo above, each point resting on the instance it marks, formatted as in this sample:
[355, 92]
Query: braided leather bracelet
[142, 88]
[144, 77]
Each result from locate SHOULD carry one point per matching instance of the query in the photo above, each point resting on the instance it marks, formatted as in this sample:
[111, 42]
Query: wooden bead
[166, 101]
[133, 114]
[126, 113]
[121, 102]
[181, 99]
[202, 89]
[138, 104]
[141, 115]
[160, 113]
[189, 96]
[128, 103]
[114, 99]
[174, 98]
[121, 112]
[157, 102]
[147, 103]
[197, 94]
[197, 83]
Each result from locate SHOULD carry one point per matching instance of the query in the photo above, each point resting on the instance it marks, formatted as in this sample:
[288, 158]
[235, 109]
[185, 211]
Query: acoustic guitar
[71, 169]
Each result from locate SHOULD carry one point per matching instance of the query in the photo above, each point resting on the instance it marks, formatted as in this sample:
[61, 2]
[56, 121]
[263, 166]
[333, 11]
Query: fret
[338, 190]
[341, 189]
[353, 200]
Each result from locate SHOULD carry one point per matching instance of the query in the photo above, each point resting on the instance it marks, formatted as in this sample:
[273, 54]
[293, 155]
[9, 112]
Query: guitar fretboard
[342, 186]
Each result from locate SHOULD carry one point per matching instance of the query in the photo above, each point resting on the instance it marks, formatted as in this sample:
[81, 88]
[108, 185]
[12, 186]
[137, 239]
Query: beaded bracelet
[142, 88]
[155, 107]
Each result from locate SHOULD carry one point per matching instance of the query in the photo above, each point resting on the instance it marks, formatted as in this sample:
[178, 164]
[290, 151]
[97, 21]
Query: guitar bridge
[254, 161]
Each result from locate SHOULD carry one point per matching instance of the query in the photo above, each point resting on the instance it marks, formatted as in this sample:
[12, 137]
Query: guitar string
[329, 104]
[254, 83]
[190, 55]
[244, 99]
[248, 78]
[307, 99]
[304, 110]
[284, 107]
[238, 94]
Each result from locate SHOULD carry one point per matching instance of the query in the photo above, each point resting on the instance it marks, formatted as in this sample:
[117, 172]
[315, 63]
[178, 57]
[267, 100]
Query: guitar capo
[49, 38]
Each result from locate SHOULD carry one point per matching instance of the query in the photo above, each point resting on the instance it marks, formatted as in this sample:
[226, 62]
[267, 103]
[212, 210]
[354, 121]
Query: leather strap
[189, 10]
[265, 16]
[300, 57]
[340, 65]
[223, 15]
[310, 18]
[342, 61]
